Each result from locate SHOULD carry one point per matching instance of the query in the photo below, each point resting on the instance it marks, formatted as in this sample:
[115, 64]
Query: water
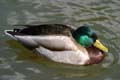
[18, 63]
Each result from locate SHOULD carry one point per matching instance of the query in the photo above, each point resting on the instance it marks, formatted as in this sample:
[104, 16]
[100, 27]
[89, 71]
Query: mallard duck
[61, 43]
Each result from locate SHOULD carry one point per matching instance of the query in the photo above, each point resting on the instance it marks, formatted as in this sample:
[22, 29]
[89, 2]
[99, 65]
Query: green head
[84, 40]
[84, 36]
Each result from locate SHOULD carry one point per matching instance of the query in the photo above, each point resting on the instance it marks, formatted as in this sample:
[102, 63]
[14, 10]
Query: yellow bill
[100, 46]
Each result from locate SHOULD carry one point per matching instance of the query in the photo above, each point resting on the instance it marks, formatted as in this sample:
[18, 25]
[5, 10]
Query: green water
[18, 63]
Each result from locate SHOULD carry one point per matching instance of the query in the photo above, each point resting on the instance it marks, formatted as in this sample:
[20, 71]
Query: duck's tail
[10, 33]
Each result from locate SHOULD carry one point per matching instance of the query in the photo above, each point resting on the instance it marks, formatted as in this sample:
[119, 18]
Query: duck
[61, 43]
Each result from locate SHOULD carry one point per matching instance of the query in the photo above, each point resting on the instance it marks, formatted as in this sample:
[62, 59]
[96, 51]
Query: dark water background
[18, 63]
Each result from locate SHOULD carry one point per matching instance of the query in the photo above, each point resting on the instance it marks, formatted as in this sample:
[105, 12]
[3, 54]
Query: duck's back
[47, 29]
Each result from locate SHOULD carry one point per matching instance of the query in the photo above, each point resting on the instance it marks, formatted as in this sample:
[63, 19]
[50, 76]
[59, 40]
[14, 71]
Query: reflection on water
[18, 63]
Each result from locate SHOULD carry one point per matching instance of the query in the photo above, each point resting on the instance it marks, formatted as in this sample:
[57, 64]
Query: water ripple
[102, 15]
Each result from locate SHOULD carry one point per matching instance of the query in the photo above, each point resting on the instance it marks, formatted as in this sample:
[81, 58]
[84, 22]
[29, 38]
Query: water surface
[18, 63]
